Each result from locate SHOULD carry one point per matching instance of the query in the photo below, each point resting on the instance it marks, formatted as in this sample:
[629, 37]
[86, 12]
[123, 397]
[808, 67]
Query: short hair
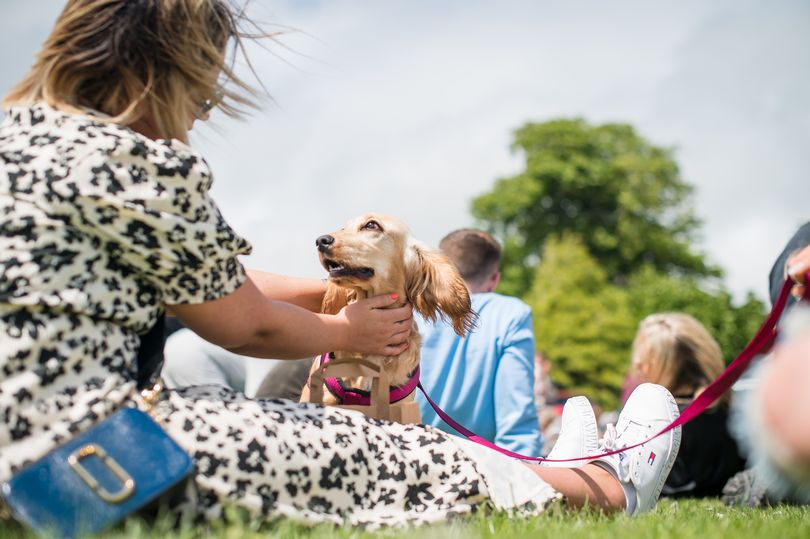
[475, 253]
[131, 59]
[679, 351]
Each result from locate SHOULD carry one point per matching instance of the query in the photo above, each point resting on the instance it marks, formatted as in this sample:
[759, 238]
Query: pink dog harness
[361, 397]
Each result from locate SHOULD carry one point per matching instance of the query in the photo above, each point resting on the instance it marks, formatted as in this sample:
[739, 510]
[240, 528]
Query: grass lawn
[684, 519]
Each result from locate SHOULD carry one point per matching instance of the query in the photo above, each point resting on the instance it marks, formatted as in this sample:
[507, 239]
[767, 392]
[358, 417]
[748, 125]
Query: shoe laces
[609, 443]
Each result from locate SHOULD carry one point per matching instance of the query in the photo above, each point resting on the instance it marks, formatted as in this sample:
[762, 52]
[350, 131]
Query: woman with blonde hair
[676, 351]
[106, 222]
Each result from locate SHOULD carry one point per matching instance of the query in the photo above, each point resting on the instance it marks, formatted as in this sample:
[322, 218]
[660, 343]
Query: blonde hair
[133, 60]
[679, 352]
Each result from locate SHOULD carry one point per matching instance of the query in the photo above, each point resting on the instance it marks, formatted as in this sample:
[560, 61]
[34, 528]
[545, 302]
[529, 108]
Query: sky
[408, 107]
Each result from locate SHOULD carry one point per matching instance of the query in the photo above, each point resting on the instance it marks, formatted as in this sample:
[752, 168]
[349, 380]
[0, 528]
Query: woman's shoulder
[119, 160]
[89, 132]
[498, 304]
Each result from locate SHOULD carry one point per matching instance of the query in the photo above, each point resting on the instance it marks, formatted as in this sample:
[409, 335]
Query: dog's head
[375, 254]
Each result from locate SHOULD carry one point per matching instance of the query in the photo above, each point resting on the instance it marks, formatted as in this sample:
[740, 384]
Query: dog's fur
[375, 254]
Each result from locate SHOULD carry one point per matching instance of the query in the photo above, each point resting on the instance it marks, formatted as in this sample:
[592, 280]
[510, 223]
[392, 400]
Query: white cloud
[407, 107]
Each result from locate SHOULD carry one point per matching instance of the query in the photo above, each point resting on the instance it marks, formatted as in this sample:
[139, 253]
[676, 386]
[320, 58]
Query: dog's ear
[335, 298]
[435, 289]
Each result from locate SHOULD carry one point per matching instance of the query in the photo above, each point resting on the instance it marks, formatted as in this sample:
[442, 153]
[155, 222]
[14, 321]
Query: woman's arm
[249, 323]
[306, 293]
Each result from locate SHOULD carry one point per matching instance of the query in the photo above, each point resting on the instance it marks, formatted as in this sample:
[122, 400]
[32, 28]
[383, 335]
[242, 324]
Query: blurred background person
[677, 352]
[485, 381]
[771, 412]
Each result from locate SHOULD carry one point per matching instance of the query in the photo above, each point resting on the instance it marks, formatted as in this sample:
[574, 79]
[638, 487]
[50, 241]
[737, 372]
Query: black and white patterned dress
[101, 227]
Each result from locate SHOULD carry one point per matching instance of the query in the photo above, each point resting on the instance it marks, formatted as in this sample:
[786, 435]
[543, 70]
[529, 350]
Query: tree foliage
[622, 195]
[586, 324]
[583, 322]
[598, 233]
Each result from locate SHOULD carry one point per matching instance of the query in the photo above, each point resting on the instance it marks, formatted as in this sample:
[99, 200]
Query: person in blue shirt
[486, 380]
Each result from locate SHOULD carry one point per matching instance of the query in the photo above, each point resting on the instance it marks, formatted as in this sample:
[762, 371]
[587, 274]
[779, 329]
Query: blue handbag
[97, 478]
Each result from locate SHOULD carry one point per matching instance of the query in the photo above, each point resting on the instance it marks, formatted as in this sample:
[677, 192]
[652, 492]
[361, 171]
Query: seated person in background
[549, 407]
[190, 360]
[486, 380]
[779, 412]
[771, 415]
[675, 351]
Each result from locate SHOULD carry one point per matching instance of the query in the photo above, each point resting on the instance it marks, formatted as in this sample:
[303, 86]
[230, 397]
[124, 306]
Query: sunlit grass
[683, 520]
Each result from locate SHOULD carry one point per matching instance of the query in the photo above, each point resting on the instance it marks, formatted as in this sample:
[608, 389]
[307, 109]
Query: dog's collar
[361, 397]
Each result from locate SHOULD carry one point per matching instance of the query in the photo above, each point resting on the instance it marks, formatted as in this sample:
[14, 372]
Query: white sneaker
[579, 436]
[643, 470]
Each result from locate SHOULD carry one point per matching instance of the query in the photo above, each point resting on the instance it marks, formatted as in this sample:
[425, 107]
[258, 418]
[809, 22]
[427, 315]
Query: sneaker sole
[584, 408]
[674, 446]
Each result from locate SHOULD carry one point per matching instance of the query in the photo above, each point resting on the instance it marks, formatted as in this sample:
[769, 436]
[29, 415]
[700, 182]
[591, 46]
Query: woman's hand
[249, 323]
[797, 268]
[373, 329]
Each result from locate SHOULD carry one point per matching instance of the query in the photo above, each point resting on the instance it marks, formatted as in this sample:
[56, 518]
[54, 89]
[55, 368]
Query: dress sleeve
[149, 205]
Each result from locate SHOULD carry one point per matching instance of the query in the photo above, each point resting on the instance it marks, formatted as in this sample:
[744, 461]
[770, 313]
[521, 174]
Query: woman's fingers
[377, 328]
[395, 349]
[797, 268]
[399, 337]
[399, 314]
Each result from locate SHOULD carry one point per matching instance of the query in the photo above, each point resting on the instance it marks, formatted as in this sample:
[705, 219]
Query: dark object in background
[173, 324]
[799, 240]
[708, 457]
[150, 352]
[286, 380]
[747, 490]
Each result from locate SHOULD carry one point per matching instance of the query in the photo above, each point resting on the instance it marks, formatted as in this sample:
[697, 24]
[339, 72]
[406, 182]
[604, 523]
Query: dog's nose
[323, 242]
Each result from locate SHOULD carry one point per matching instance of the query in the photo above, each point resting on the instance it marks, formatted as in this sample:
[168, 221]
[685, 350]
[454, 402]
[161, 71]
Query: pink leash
[760, 344]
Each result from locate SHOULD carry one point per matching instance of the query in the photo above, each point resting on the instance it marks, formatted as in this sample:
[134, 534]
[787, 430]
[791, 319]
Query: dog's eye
[372, 225]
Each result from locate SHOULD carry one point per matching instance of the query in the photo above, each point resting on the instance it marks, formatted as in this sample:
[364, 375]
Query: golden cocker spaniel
[375, 254]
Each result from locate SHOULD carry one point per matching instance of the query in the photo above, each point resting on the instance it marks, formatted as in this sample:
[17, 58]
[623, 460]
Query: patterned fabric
[100, 228]
[317, 464]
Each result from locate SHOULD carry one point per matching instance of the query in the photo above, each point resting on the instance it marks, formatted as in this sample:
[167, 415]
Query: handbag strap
[760, 344]
[150, 353]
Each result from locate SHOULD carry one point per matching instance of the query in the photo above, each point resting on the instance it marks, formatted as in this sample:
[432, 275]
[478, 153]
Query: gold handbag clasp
[127, 483]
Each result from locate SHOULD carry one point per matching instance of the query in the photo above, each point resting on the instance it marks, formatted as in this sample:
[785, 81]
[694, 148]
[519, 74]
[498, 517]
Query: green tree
[582, 320]
[622, 195]
[586, 324]
[598, 233]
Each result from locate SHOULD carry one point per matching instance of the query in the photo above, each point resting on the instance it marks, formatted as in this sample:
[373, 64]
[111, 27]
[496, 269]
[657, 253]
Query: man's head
[477, 255]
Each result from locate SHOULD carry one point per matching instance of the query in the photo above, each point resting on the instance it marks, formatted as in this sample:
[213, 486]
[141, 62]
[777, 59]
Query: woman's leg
[629, 480]
[190, 360]
[278, 458]
[588, 485]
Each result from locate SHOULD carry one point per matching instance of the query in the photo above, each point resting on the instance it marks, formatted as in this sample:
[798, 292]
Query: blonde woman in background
[675, 351]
